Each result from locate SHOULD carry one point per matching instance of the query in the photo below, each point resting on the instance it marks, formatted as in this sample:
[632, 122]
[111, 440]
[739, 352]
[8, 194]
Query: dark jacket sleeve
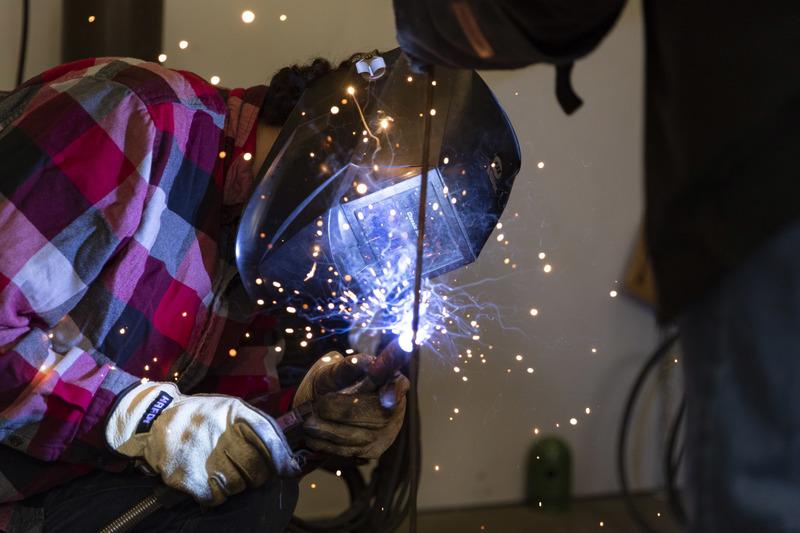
[501, 34]
[504, 34]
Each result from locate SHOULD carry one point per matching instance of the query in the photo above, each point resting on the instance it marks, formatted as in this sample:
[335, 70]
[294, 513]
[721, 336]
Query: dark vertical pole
[120, 28]
[413, 366]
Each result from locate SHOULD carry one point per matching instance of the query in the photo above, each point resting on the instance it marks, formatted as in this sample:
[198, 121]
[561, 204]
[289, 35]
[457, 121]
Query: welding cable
[384, 503]
[380, 507]
[23, 45]
[622, 450]
[671, 465]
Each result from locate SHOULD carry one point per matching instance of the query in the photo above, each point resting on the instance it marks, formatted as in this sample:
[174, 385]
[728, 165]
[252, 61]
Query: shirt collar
[238, 143]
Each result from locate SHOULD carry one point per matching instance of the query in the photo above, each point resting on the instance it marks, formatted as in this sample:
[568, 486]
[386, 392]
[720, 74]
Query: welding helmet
[331, 226]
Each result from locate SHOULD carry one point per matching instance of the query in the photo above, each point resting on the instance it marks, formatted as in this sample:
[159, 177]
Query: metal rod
[413, 362]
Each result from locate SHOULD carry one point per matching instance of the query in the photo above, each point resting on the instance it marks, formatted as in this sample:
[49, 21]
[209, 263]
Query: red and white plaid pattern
[118, 216]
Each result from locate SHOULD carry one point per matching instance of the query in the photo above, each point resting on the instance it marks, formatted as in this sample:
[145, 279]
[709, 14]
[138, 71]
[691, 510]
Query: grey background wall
[581, 209]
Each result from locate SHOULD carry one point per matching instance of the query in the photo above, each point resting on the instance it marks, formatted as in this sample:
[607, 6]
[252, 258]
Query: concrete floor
[603, 515]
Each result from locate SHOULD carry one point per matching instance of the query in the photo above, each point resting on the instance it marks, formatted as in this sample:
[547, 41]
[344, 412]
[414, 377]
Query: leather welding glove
[360, 424]
[211, 446]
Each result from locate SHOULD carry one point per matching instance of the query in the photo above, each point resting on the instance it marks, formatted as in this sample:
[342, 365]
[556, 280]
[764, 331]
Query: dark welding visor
[332, 223]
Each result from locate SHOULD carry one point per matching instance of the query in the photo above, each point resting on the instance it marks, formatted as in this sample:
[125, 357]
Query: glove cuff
[135, 410]
[284, 460]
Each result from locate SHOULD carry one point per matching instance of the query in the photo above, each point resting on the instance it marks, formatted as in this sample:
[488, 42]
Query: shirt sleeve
[85, 152]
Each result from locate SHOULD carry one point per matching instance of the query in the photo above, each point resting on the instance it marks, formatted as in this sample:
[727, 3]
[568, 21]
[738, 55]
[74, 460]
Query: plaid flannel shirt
[121, 184]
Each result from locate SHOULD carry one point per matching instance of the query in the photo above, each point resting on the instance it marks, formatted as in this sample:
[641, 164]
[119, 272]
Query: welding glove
[362, 424]
[210, 446]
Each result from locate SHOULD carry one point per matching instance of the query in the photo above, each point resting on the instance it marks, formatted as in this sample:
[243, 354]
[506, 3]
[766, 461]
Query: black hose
[380, 506]
[671, 465]
[654, 358]
[23, 47]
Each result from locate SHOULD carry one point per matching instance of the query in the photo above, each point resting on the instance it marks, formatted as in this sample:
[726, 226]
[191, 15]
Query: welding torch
[378, 372]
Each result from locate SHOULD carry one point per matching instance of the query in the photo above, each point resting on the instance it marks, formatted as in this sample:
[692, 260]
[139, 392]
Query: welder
[127, 337]
[155, 224]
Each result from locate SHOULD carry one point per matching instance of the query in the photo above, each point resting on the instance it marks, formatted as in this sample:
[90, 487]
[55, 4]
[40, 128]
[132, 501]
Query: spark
[162, 58]
[282, 18]
[311, 272]
[248, 16]
[183, 45]
[613, 294]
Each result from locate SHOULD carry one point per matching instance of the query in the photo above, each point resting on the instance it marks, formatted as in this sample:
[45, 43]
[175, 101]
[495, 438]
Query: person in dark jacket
[722, 212]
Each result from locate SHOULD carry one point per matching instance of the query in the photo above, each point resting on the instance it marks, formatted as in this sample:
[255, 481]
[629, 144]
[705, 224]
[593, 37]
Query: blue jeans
[91, 502]
[741, 347]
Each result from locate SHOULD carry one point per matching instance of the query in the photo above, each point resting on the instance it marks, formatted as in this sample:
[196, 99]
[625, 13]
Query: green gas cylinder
[549, 475]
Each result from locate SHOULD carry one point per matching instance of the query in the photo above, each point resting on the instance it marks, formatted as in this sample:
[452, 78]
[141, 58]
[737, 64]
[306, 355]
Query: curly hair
[289, 83]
